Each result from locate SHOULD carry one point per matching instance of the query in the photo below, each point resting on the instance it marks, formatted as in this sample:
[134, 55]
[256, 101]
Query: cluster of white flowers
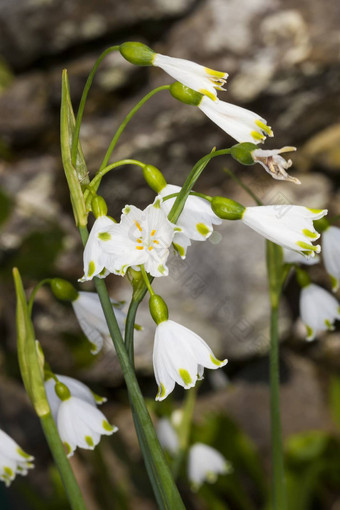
[74, 409]
[13, 460]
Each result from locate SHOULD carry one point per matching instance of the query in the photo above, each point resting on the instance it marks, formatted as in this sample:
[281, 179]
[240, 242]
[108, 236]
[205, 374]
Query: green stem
[164, 487]
[244, 186]
[34, 292]
[190, 181]
[192, 193]
[126, 121]
[274, 268]
[58, 452]
[83, 101]
[146, 280]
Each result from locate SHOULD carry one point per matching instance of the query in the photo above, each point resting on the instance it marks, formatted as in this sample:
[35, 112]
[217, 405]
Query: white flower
[293, 257]
[167, 436]
[331, 254]
[179, 355]
[81, 424]
[205, 464]
[192, 75]
[318, 309]
[275, 164]
[92, 321]
[239, 123]
[77, 389]
[141, 237]
[95, 259]
[196, 220]
[13, 460]
[290, 226]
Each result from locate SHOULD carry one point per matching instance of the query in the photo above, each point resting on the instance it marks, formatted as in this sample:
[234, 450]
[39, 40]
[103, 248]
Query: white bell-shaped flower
[331, 254]
[293, 257]
[196, 220]
[239, 123]
[81, 424]
[192, 75]
[275, 164]
[76, 388]
[13, 460]
[205, 464]
[318, 309]
[179, 355]
[167, 436]
[141, 237]
[290, 226]
[90, 315]
[95, 258]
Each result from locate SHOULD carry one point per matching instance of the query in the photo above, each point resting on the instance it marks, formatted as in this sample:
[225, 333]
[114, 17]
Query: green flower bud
[154, 178]
[227, 209]
[98, 206]
[302, 277]
[158, 309]
[62, 391]
[137, 53]
[63, 290]
[185, 94]
[242, 153]
[321, 225]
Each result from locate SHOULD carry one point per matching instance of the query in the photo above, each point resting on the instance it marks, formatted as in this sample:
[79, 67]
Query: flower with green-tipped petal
[318, 309]
[95, 258]
[290, 226]
[13, 460]
[167, 436]
[205, 464]
[196, 220]
[239, 123]
[331, 254]
[180, 356]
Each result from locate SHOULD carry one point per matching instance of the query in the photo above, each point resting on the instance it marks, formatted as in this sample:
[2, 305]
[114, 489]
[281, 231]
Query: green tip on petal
[329, 325]
[264, 127]
[157, 204]
[104, 236]
[309, 233]
[89, 441]
[315, 211]
[127, 209]
[8, 471]
[68, 449]
[207, 93]
[257, 136]
[202, 229]
[306, 246]
[91, 270]
[185, 376]
[310, 332]
[108, 427]
[161, 392]
[215, 361]
[179, 249]
[23, 454]
[334, 282]
[161, 269]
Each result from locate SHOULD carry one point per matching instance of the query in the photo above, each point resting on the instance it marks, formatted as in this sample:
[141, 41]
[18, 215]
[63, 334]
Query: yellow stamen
[139, 247]
[150, 248]
[153, 233]
[264, 127]
[138, 226]
[139, 241]
[156, 242]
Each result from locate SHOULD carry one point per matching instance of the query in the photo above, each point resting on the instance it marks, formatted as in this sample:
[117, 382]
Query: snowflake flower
[13, 460]
[318, 309]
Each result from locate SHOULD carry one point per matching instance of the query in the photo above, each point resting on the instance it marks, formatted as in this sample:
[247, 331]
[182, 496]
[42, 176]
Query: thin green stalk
[71, 486]
[244, 186]
[164, 487]
[127, 120]
[34, 292]
[146, 280]
[274, 268]
[83, 101]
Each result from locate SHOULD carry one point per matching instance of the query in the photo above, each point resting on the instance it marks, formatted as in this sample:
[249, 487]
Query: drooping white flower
[77, 389]
[13, 460]
[95, 258]
[318, 309]
[90, 315]
[81, 424]
[167, 436]
[239, 123]
[192, 75]
[293, 257]
[290, 226]
[331, 254]
[179, 355]
[275, 164]
[141, 237]
[205, 464]
[196, 220]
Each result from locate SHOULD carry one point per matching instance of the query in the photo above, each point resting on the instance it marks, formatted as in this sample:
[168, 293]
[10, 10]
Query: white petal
[94, 256]
[167, 436]
[331, 254]
[318, 309]
[205, 463]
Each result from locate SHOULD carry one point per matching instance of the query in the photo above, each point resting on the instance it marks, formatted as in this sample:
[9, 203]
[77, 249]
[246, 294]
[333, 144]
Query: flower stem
[83, 101]
[126, 121]
[71, 486]
[34, 292]
[243, 185]
[274, 268]
[146, 280]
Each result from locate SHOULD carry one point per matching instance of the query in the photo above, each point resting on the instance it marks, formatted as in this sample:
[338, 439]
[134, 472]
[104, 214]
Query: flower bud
[242, 153]
[62, 391]
[99, 207]
[158, 309]
[227, 209]
[63, 290]
[137, 53]
[185, 94]
[154, 178]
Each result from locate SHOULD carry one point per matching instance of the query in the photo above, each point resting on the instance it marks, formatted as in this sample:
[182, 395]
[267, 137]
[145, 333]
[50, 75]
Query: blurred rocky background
[283, 62]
